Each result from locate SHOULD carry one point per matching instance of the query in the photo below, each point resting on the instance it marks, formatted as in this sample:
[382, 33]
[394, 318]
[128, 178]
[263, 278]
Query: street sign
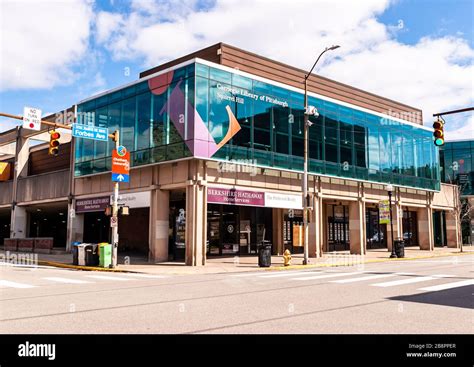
[120, 177]
[120, 164]
[32, 118]
[113, 222]
[90, 132]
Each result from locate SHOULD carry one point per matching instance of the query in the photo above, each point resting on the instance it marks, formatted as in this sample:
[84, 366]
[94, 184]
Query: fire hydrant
[287, 257]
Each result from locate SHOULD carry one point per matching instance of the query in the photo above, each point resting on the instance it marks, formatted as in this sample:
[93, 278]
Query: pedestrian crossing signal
[54, 143]
[438, 133]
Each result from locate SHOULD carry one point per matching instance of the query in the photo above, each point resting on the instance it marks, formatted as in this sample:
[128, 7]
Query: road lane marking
[151, 276]
[245, 275]
[66, 280]
[8, 284]
[361, 279]
[106, 277]
[411, 280]
[316, 277]
[289, 274]
[442, 287]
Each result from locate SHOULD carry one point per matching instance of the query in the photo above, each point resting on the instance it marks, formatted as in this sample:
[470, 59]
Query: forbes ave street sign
[90, 132]
[120, 164]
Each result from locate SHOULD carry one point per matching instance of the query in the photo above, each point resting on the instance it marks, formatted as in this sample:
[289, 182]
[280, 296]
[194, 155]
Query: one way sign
[120, 177]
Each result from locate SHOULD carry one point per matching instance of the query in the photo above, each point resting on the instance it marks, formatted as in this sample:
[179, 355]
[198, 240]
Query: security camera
[312, 111]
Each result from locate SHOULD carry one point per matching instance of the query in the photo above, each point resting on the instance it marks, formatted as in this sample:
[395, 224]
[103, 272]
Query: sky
[419, 52]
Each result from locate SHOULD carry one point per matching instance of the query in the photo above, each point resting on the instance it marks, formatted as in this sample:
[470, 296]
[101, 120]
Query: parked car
[377, 237]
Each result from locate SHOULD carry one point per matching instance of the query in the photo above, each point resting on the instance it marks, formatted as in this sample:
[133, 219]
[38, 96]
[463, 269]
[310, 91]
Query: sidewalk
[248, 263]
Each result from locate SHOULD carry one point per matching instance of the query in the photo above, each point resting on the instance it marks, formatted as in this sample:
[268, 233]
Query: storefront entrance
[237, 230]
[410, 228]
[293, 232]
[376, 232]
[4, 224]
[49, 221]
[338, 227]
[177, 226]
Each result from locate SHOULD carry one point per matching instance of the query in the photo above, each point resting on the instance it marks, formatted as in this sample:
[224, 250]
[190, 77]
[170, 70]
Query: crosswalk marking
[66, 280]
[106, 277]
[361, 279]
[8, 284]
[327, 276]
[442, 287]
[409, 281]
[288, 274]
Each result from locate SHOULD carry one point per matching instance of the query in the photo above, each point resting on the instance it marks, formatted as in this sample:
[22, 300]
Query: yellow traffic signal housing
[54, 143]
[108, 211]
[438, 133]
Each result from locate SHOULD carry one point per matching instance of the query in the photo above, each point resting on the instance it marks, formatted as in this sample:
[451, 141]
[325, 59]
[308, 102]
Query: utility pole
[115, 235]
[308, 110]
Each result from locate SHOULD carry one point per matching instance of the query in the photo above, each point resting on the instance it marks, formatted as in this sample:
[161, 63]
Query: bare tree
[464, 209]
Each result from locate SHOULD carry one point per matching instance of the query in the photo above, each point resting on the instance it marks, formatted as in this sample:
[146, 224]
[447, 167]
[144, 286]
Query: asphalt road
[418, 296]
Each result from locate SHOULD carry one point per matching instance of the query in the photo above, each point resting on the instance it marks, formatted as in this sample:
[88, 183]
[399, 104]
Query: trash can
[105, 254]
[92, 255]
[400, 247]
[265, 254]
[81, 254]
[74, 250]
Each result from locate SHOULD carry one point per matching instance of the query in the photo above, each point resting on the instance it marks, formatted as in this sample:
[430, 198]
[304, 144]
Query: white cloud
[106, 23]
[461, 127]
[434, 74]
[42, 41]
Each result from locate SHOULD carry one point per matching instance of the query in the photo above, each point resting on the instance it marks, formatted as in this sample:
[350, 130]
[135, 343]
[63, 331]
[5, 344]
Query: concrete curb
[272, 268]
[80, 267]
[326, 265]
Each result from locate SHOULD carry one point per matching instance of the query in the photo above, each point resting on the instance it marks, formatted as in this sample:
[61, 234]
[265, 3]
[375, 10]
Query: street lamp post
[389, 189]
[308, 110]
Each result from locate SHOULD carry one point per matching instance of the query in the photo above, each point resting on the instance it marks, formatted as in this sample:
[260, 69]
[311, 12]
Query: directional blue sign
[90, 132]
[120, 177]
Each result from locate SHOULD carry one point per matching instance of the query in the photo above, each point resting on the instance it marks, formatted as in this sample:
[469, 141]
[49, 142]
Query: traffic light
[54, 143]
[438, 133]
[108, 210]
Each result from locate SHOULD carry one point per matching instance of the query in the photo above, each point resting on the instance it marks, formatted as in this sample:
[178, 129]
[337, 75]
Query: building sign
[218, 195]
[135, 200]
[235, 197]
[285, 201]
[384, 212]
[92, 205]
[90, 132]
[4, 171]
[120, 164]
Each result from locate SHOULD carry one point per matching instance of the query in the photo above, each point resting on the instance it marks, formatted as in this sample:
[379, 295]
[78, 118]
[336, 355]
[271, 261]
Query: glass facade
[208, 112]
[143, 114]
[457, 165]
